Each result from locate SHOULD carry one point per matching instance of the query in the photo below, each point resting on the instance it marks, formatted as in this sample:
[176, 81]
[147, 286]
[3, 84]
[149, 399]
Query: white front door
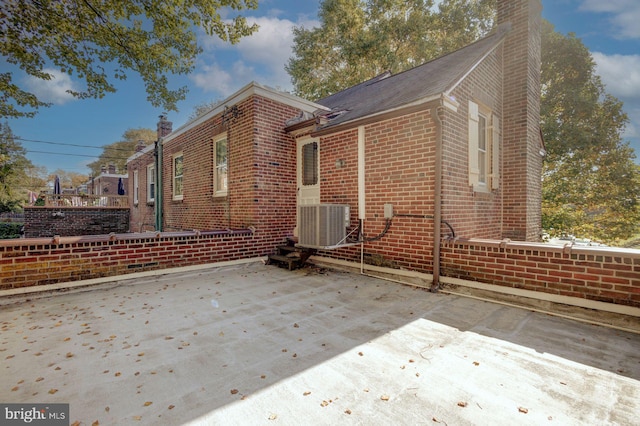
[308, 172]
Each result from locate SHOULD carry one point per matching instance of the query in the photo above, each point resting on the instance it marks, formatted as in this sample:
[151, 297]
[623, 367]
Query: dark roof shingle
[387, 92]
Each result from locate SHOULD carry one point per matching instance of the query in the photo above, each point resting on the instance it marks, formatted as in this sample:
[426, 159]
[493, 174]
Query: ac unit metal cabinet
[323, 225]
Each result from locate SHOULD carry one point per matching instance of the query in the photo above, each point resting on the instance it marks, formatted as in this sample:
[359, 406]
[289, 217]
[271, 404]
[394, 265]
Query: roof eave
[418, 105]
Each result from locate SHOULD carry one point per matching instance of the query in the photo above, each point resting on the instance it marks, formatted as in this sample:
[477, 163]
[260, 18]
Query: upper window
[151, 183]
[484, 148]
[135, 187]
[177, 177]
[220, 172]
[310, 164]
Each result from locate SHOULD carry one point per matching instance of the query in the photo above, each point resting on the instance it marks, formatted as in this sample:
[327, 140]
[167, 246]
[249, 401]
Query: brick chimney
[164, 126]
[112, 169]
[521, 140]
[140, 146]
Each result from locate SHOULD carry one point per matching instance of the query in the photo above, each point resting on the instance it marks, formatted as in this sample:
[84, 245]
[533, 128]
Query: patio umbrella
[56, 186]
[120, 187]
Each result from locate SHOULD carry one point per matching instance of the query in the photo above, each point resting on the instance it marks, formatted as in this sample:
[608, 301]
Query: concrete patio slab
[250, 344]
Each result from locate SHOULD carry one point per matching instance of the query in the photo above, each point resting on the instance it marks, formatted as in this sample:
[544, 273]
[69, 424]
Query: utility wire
[73, 155]
[104, 147]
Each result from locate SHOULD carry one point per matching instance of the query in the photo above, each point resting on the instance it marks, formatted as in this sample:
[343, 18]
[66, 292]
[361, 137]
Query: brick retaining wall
[49, 221]
[604, 274]
[601, 274]
[32, 262]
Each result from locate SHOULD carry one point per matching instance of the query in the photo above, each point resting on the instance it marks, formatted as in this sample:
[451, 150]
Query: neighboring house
[451, 146]
[106, 183]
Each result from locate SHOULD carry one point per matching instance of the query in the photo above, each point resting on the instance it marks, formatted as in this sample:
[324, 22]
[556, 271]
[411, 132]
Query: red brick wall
[32, 262]
[599, 274]
[473, 214]
[142, 215]
[521, 120]
[50, 221]
[261, 173]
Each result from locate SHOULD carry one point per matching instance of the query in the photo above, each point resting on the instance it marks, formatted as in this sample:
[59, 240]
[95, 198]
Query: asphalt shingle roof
[387, 92]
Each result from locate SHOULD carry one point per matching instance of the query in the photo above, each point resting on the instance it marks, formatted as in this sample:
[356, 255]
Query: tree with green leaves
[13, 167]
[117, 153]
[102, 41]
[590, 180]
[359, 39]
[68, 180]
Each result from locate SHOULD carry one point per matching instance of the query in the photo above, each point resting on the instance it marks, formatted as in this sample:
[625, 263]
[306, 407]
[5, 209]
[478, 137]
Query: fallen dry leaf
[523, 410]
[295, 325]
[306, 393]
[324, 403]
[148, 403]
[234, 391]
[69, 355]
[384, 397]
[39, 379]
[171, 407]
[96, 423]
[476, 363]
[76, 423]
[52, 391]
[67, 339]
[462, 404]
[141, 354]
[347, 411]
[273, 416]
[117, 374]
[137, 418]
[15, 388]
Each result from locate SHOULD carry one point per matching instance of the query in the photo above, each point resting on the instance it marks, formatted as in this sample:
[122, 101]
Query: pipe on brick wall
[437, 199]
[159, 186]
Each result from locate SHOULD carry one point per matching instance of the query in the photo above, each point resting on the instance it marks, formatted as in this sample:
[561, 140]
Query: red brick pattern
[142, 215]
[50, 221]
[599, 274]
[33, 262]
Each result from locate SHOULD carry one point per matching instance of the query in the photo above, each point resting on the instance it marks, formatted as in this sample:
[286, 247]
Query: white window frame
[136, 182]
[151, 180]
[175, 178]
[220, 190]
[486, 176]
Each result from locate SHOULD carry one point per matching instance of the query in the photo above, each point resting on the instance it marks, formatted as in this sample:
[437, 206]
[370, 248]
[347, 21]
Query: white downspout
[361, 192]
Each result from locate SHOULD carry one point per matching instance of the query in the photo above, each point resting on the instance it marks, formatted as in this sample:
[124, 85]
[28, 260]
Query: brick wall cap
[526, 245]
[58, 240]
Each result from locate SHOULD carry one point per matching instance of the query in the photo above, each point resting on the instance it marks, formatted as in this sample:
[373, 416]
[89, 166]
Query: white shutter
[474, 170]
[495, 152]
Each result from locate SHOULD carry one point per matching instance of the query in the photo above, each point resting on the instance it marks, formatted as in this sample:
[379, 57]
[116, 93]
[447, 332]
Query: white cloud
[224, 81]
[620, 73]
[625, 15]
[621, 76]
[54, 90]
[260, 57]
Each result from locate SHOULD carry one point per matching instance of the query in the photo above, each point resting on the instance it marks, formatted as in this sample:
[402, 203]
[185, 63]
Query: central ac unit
[323, 225]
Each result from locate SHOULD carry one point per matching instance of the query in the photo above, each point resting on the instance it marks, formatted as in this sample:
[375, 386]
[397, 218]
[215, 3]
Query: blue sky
[610, 29]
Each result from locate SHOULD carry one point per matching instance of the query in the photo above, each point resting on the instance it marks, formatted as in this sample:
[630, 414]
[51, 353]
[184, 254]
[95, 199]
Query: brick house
[450, 147]
[233, 167]
[106, 183]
